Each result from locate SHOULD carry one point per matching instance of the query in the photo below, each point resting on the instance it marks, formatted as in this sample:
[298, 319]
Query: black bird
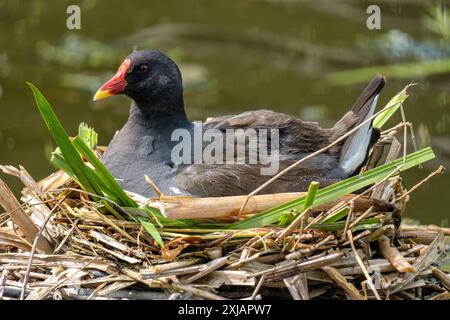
[144, 145]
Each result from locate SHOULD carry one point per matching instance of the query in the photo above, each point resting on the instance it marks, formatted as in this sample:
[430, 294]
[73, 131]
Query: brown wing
[239, 179]
[297, 137]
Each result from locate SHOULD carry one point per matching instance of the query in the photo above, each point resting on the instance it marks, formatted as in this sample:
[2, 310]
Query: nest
[59, 244]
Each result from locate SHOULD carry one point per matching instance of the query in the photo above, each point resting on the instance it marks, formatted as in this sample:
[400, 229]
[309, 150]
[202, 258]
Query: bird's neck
[158, 120]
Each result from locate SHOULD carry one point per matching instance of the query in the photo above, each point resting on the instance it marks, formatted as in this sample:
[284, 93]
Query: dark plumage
[143, 145]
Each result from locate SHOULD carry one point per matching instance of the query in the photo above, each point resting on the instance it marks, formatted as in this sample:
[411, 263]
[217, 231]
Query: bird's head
[147, 76]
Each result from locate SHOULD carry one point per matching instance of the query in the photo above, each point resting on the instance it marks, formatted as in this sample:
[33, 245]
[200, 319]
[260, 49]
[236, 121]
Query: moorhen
[144, 144]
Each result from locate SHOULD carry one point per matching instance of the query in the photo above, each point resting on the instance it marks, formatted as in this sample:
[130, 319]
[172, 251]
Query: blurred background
[307, 58]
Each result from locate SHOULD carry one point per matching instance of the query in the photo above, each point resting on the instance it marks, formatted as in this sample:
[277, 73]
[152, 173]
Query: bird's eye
[143, 68]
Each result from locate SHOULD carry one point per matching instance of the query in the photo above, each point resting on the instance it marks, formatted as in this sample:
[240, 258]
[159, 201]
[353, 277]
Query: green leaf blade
[391, 107]
[103, 173]
[63, 141]
[151, 229]
[337, 190]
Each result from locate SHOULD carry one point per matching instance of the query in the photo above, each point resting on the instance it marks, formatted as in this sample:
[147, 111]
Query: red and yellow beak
[116, 84]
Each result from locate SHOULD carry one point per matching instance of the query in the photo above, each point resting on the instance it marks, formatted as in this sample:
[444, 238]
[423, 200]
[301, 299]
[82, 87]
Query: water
[234, 57]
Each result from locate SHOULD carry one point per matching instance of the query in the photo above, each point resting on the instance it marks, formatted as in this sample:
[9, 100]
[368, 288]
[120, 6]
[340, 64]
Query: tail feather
[356, 146]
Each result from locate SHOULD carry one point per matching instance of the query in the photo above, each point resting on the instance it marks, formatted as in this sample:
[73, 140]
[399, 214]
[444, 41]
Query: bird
[145, 144]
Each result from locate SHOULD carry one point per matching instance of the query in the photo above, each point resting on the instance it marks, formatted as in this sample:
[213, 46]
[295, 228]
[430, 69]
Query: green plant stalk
[286, 218]
[58, 161]
[338, 215]
[88, 135]
[151, 229]
[112, 210]
[148, 213]
[371, 223]
[391, 107]
[312, 190]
